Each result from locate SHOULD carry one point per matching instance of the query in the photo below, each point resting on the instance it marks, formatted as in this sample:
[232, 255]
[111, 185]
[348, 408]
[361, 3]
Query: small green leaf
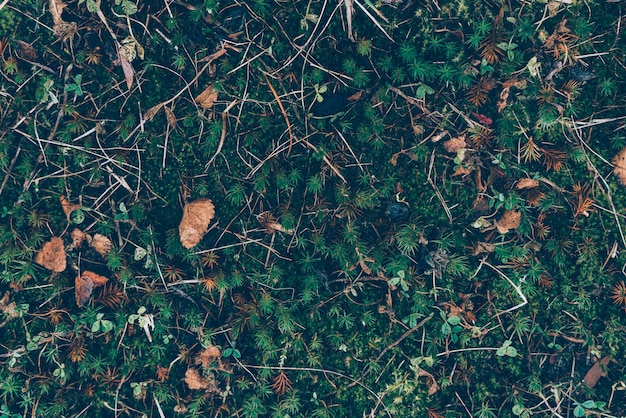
[589, 404]
[454, 320]
[579, 411]
[77, 217]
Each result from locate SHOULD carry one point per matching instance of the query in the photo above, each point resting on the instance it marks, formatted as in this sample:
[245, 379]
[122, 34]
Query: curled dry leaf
[194, 380]
[85, 284]
[56, 9]
[207, 97]
[527, 184]
[455, 144]
[510, 220]
[596, 371]
[68, 208]
[101, 244]
[52, 255]
[620, 166]
[195, 223]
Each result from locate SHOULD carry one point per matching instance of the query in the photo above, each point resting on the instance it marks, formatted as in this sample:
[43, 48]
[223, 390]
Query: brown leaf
[207, 97]
[433, 386]
[129, 71]
[68, 208]
[8, 308]
[195, 223]
[194, 380]
[78, 237]
[527, 183]
[208, 355]
[52, 255]
[510, 220]
[85, 284]
[56, 9]
[101, 244]
[151, 113]
[483, 247]
[163, 373]
[455, 144]
[620, 166]
[596, 371]
[171, 117]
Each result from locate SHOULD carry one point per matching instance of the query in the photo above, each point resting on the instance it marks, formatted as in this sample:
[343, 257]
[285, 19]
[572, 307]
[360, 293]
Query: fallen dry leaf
[56, 9]
[129, 71]
[171, 117]
[455, 144]
[433, 386]
[195, 223]
[78, 237]
[207, 97]
[52, 255]
[68, 208]
[620, 166]
[510, 220]
[208, 355]
[101, 244]
[8, 308]
[527, 184]
[85, 284]
[596, 371]
[163, 373]
[194, 380]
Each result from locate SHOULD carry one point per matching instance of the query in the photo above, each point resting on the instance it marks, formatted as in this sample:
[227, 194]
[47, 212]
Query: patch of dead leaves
[85, 284]
[52, 255]
[510, 220]
[207, 98]
[98, 242]
[195, 223]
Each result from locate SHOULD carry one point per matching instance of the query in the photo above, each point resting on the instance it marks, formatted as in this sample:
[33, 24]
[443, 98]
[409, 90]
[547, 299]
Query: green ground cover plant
[263, 208]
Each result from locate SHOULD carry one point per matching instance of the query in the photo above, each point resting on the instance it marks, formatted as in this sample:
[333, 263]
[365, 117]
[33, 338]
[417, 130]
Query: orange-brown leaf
[85, 284]
[620, 166]
[596, 371]
[526, 183]
[68, 208]
[455, 144]
[101, 244]
[194, 380]
[52, 255]
[195, 223]
[510, 220]
[207, 98]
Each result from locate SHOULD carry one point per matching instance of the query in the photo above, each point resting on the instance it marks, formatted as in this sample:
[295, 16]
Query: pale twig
[282, 109]
[373, 19]
[516, 287]
[223, 136]
[434, 186]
